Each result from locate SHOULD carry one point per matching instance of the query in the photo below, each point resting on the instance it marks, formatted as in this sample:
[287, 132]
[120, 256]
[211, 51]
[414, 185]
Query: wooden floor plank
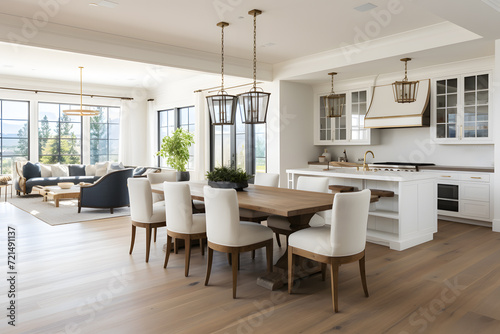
[80, 278]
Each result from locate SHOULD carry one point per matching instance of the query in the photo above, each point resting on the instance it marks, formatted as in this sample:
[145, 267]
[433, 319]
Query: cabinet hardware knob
[445, 176]
[476, 177]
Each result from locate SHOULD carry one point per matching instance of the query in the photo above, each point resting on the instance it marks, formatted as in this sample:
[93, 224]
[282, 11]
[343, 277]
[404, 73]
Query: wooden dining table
[298, 206]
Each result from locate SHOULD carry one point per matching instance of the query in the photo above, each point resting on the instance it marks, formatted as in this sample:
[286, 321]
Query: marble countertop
[371, 175]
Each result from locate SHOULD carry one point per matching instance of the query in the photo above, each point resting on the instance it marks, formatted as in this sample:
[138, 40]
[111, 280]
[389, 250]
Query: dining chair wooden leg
[334, 268]
[210, 255]
[235, 256]
[154, 239]
[291, 264]
[132, 239]
[167, 251]
[202, 248]
[253, 254]
[187, 243]
[229, 259]
[278, 239]
[363, 275]
[148, 241]
[323, 271]
[176, 246]
[269, 255]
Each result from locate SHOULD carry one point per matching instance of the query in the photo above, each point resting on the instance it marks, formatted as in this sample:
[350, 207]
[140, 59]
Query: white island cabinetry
[400, 222]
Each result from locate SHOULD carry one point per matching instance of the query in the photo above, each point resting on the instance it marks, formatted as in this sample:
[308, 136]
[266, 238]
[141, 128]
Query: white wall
[296, 127]
[414, 144]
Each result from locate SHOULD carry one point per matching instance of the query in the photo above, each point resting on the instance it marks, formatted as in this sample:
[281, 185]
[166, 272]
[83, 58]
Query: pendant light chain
[406, 71]
[332, 84]
[222, 57]
[255, 51]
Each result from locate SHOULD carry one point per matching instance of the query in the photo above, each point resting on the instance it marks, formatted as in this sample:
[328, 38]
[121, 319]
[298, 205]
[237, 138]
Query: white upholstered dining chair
[181, 222]
[143, 212]
[342, 242]
[281, 225]
[261, 179]
[156, 178]
[227, 234]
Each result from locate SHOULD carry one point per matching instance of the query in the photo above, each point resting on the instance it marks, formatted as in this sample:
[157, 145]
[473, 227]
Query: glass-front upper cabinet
[349, 129]
[462, 110]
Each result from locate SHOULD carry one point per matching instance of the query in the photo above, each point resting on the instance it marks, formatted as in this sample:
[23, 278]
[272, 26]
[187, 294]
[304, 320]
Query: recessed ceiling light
[495, 4]
[366, 7]
[93, 4]
[268, 44]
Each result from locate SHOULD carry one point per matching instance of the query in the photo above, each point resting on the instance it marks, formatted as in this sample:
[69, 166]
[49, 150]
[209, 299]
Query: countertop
[437, 167]
[353, 174]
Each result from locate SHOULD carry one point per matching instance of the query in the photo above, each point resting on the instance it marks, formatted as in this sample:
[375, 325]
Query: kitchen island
[400, 222]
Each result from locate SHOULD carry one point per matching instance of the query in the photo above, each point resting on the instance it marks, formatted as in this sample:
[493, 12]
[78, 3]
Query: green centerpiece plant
[175, 149]
[226, 177]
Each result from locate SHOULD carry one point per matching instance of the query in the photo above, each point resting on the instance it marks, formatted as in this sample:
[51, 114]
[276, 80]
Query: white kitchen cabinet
[346, 130]
[464, 196]
[461, 109]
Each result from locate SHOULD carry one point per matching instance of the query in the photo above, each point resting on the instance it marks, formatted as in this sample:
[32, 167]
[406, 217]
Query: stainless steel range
[398, 166]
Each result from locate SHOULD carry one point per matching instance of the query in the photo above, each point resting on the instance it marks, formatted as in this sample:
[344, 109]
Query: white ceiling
[287, 30]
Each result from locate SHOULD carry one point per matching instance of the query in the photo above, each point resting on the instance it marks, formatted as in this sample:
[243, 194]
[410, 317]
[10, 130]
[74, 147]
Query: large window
[14, 133]
[240, 145]
[59, 135]
[171, 119]
[104, 134]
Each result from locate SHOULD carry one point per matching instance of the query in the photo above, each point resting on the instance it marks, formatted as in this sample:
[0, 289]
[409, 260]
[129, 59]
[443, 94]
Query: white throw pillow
[59, 170]
[101, 168]
[46, 170]
[115, 166]
[90, 170]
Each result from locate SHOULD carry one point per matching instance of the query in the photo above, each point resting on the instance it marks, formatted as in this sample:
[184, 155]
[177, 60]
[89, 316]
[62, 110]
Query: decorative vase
[182, 176]
[328, 156]
[228, 185]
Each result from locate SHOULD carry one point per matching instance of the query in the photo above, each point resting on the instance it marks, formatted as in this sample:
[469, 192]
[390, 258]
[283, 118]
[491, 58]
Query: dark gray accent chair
[110, 191]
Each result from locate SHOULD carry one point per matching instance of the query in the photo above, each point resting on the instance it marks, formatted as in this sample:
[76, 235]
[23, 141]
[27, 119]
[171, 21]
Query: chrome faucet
[365, 166]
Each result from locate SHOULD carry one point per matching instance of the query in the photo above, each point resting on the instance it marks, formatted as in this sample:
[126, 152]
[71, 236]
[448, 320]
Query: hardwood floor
[79, 278]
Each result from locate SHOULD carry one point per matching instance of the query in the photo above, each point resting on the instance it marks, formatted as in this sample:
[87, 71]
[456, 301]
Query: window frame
[2, 137]
[59, 132]
[107, 139]
[250, 146]
[177, 124]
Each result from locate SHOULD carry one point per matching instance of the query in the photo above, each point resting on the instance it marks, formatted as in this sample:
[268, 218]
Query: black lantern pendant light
[222, 107]
[405, 91]
[253, 104]
[334, 103]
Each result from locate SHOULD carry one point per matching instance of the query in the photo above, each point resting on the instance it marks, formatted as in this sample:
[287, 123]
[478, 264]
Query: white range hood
[384, 112]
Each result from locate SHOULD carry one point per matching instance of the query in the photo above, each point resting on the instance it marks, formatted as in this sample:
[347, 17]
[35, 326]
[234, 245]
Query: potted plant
[175, 149]
[226, 177]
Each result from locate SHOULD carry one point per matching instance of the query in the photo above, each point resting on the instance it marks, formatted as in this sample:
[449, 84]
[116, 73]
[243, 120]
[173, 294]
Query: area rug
[66, 213]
